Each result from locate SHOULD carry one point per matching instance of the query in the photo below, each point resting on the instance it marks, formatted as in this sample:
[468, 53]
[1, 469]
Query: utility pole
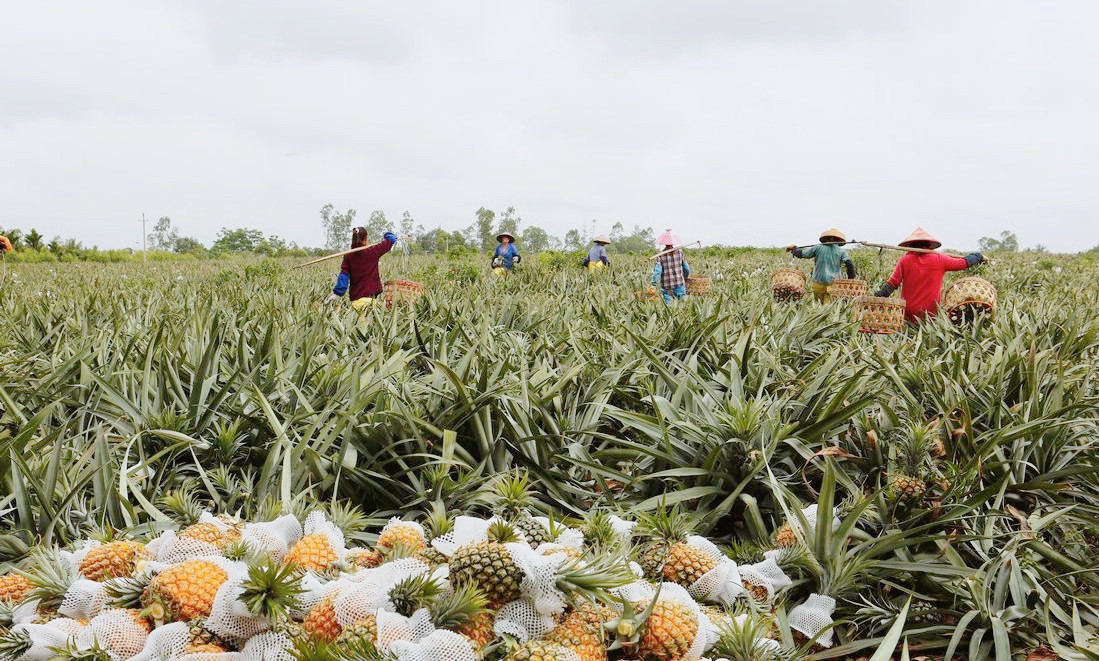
[144, 252]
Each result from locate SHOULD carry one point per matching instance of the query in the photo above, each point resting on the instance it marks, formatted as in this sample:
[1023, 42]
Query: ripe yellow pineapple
[364, 558]
[539, 650]
[582, 632]
[668, 633]
[13, 588]
[320, 622]
[211, 534]
[313, 552]
[183, 592]
[785, 537]
[113, 560]
[478, 628]
[401, 533]
[205, 648]
[686, 564]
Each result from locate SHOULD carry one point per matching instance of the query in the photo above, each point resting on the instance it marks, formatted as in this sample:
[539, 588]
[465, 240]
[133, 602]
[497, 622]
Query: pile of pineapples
[448, 588]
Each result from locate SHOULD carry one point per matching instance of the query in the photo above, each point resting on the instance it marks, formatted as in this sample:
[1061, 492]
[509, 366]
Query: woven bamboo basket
[646, 295]
[877, 314]
[788, 284]
[699, 284]
[848, 289]
[401, 291]
[969, 296]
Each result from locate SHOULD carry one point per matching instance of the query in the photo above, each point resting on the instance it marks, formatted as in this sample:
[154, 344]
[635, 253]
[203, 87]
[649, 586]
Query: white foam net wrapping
[570, 538]
[466, 530]
[769, 569]
[749, 575]
[207, 517]
[165, 643]
[393, 627]
[722, 584]
[623, 529]
[268, 646]
[25, 612]
[116, 631]
[43, 639]
[275, 536]
[813, 616]
[229, 616]
[810, 514]
[399, 522]
[522, 620]
[635, 592]
[318, 524]
[67, 624]
[314, 592]
[84, 599]
[368, 590]
[211, 656]
[170, 549]
[440, 645]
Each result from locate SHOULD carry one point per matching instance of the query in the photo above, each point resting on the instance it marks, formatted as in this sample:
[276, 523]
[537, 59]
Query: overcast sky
[735, 122]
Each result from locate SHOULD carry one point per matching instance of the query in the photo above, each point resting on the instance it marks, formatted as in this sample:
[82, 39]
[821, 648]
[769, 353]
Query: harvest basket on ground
[401, 291]
[788, 284]
[877, 314]
[969, 297]
[848, 288]
[698, 285]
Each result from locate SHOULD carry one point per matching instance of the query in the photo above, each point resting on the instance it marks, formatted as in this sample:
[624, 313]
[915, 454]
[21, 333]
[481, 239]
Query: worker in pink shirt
[920, 275]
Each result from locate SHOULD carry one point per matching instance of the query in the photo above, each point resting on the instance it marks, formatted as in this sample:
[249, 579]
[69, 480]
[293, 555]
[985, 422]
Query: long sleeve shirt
[920, 276]
[598, 253]
[827, 261]
[671, 271]
[359, 272]
[508, 254]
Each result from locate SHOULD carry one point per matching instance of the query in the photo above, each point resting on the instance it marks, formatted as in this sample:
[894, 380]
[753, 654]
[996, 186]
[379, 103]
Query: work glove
[332, 298]
[517, 259]
[884, 291]
[974, 258]
[390, 237]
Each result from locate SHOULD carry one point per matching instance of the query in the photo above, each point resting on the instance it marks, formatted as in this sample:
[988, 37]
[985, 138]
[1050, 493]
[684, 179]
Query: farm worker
[920, 275]
[506, 255]
[597, 256]
[670, 271]
[828, 256]
[359, 276]
[5, 244]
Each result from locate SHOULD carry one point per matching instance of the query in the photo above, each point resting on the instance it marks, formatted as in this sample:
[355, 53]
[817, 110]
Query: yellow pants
[364, 302]
[822, 292]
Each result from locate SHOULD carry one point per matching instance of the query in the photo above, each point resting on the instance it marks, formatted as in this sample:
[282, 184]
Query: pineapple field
[203, 463]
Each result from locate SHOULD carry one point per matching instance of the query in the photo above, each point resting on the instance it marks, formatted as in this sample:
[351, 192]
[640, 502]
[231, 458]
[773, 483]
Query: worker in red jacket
[359, 277]
[920, 275]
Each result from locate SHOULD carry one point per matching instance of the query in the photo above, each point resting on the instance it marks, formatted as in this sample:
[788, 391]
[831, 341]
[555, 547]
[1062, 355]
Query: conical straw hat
[920, 234]
[834, 233]
[501, 235]
[602, 238]
[667, 238]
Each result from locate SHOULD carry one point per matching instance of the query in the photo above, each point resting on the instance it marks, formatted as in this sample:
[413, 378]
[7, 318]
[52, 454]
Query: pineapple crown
[438, 521]
[126, 592]
[182, 505]
[13, 644]
[666, 524]
[511, 492]
[451, 610]
[501, 532]
[415, 592]
[271, 591]
[52, 576]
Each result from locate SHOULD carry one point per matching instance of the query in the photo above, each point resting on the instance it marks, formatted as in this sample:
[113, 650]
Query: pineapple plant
[910, 456]
[113, 560]
[184, 591]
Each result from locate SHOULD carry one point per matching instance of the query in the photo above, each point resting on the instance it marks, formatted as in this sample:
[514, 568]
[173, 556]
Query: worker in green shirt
[828, 255]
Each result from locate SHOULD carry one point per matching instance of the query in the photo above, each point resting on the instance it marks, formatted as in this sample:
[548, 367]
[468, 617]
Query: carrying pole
[332, 256]
[904, 248]
[674, 248]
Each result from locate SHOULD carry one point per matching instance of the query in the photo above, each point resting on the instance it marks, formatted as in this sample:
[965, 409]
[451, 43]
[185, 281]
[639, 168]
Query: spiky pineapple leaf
[272, 590]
